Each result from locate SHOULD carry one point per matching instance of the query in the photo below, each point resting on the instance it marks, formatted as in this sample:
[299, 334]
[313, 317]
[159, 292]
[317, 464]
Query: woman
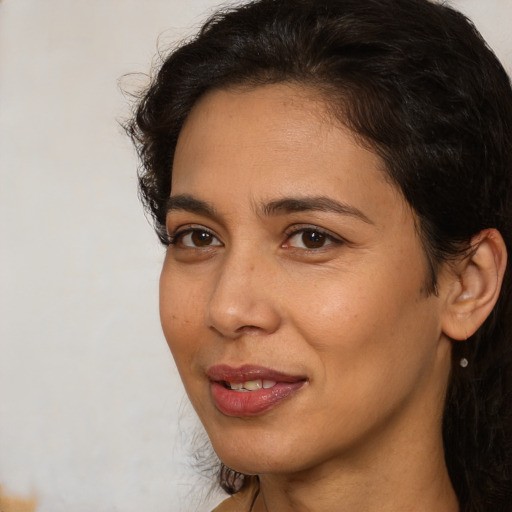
[333, 181]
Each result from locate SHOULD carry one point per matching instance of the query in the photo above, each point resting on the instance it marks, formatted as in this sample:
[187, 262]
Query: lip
[252, 403]
[224, 372]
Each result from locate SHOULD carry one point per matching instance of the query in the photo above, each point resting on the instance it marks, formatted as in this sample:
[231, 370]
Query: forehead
[271, 140]
[279, 114]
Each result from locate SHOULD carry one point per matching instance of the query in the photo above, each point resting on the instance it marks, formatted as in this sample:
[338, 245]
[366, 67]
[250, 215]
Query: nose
[243, 301]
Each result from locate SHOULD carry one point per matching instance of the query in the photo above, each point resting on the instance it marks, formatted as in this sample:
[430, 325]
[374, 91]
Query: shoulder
[242, 501]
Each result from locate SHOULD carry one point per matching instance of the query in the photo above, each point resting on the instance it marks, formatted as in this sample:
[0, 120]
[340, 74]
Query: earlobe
[477, 285]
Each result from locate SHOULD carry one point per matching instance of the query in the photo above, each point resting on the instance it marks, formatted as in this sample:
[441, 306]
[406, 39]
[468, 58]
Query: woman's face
[293, 295]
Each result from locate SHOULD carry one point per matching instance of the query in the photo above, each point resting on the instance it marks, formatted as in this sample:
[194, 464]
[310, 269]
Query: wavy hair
[415, 81]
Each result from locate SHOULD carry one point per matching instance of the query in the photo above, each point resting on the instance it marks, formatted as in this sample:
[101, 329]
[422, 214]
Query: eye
[194, 238]
[310, 238]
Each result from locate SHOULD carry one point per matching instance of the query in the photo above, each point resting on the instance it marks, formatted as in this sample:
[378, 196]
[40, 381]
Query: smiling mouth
[250, 385]
[250, 390]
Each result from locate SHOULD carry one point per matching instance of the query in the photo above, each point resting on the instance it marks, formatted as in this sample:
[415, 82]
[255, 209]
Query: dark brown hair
[417, 83]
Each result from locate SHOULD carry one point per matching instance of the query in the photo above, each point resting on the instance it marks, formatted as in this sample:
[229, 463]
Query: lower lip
[252, 403]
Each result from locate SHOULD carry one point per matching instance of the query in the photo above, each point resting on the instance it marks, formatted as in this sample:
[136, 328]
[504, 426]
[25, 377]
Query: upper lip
[224, 372]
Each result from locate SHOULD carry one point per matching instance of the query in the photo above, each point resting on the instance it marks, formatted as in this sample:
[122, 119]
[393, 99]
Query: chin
[255, 453]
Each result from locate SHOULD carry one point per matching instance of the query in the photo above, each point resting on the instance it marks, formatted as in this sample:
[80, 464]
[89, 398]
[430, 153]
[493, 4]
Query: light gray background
[92, 413]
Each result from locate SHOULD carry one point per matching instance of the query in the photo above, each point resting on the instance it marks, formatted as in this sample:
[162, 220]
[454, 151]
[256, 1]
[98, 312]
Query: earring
[463, 361]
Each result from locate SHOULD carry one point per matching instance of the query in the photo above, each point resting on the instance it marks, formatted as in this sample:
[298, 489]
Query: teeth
[252, 385]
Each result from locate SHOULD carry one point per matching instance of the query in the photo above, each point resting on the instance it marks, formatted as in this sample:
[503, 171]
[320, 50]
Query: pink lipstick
[250, 390]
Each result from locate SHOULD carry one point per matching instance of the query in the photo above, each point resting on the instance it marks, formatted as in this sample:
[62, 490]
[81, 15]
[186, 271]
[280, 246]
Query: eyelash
[179, 235]
[327, 238]
[330, 238]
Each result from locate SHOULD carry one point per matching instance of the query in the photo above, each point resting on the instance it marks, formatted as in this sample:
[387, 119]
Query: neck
[411, 479]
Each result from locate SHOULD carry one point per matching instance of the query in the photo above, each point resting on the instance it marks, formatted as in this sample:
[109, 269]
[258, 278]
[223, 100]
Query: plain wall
[92, 412]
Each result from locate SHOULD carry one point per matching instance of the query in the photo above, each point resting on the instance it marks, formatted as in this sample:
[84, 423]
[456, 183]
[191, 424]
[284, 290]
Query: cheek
[181, 324]
[369, 324]
[342, 307]
[180, 316]
[374, 350]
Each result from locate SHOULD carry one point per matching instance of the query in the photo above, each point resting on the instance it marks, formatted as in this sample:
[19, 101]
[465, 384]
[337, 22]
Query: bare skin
[292, 251]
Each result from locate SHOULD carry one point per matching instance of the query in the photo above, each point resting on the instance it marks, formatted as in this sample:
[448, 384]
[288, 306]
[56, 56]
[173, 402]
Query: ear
[474, 291]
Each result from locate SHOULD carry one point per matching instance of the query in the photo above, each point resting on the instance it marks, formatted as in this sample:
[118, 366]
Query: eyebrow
[319, 204]
[188, 203]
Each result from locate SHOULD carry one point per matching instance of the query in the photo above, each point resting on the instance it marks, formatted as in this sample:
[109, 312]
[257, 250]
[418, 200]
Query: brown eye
[195, 238]
[201, 238]
[310, 239]
[313, 239]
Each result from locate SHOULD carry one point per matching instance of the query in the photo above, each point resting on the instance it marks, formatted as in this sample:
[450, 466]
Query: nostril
[248, 329]
[240, 331]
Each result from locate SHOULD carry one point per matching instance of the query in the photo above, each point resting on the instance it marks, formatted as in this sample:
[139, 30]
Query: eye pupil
[201, 238]
[313, 239]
